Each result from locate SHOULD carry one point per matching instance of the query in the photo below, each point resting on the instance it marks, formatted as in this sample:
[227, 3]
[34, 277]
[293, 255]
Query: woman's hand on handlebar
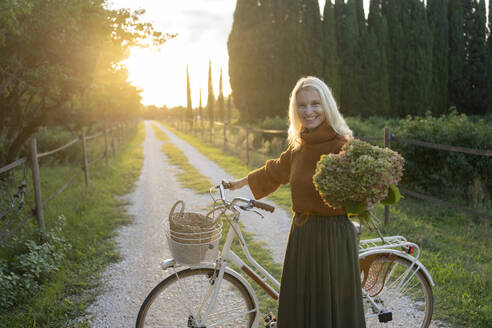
[236, 184]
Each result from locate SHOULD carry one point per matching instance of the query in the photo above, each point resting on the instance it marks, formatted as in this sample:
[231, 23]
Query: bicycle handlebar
[263, 206]
[251, 202]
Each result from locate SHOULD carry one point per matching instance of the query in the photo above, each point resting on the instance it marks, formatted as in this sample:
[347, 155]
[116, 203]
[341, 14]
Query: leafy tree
[59, 65]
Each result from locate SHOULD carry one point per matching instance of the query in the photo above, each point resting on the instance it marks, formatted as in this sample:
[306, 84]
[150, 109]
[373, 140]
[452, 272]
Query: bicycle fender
[405, 256]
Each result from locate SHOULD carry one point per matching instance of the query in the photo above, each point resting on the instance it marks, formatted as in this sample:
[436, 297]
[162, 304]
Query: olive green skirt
[320, 284]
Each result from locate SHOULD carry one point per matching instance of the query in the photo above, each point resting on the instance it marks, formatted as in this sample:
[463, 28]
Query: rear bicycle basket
[374, 269]
[193, 237]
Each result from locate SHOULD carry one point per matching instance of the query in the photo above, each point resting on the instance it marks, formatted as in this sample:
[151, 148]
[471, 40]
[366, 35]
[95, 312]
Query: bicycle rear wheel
[399, 287]
[181, 300]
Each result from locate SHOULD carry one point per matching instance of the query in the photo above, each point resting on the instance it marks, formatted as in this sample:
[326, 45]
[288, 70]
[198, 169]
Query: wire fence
[111, 135]
[207, 131]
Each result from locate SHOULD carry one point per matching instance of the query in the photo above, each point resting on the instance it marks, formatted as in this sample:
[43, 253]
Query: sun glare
[162, 75]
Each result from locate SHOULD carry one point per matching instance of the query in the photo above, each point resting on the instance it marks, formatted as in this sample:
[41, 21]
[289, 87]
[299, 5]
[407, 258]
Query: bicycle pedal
[269, 320]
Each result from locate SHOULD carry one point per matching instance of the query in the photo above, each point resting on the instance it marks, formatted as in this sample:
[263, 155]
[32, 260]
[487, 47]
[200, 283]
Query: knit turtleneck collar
[322, 133]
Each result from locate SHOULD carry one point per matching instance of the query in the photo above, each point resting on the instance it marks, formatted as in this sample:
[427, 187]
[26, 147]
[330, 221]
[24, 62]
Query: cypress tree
[189, 110]
[489, 60]
[229, 109]
[378, 100]
[200, 110]
[456, 53]
[475, 97]
[437, 11]
[395, 50]
[417, 78]
[349, 51]
[310, 39]
[211, 97]
[361, 18]
[251, 46]
[220, 101]
[298, 39]
[331, 74]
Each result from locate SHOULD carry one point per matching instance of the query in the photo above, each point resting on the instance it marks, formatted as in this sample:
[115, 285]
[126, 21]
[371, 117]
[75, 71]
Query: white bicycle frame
[222, 265]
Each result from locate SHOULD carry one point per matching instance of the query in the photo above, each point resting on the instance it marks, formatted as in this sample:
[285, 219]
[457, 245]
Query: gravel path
[273, 229]
[142, 244]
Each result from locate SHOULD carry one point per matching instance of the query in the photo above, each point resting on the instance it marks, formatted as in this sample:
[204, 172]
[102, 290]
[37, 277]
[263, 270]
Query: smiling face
[309, 109]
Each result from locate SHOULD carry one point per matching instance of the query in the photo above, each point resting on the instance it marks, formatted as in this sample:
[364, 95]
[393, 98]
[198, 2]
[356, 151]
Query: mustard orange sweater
[298, 167]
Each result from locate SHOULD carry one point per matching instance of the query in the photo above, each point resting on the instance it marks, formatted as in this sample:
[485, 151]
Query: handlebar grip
[263, 206]
[226, 185]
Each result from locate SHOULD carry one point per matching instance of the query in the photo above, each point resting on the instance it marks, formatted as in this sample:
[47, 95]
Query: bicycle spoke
[405, 293]
[183, 298]
[231, 318]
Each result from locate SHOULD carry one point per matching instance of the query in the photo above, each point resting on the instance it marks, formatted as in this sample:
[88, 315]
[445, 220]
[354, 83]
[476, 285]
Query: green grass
[188, 175]
[257, 249]
[232, 165]
[91, 214]
[456, 249]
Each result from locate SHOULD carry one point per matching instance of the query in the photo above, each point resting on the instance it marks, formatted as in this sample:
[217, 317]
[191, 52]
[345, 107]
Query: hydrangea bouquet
[359, 177]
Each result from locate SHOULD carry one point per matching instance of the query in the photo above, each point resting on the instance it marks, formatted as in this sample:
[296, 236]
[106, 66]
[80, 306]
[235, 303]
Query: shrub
[21, 276]
[458, 175]
[275, 123]
[371, 127]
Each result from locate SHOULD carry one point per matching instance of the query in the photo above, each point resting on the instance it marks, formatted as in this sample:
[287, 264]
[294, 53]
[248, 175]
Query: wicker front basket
[193, 237]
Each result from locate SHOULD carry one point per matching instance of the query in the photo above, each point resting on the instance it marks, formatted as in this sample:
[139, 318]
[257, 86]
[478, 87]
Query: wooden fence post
[387, 144]
[247, 145]
[37, 186]
[86, 163]
[106, 150]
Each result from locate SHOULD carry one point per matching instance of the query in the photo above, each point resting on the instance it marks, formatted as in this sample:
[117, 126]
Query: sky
[203, 27]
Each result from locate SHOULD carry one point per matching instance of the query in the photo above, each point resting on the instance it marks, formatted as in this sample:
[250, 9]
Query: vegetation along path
[142, 245]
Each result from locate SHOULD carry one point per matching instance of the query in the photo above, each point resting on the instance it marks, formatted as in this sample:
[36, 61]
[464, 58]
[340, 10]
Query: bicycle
[396, 287]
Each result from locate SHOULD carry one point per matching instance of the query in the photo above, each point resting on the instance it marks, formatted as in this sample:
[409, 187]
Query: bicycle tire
[412, 306]
[166, 305]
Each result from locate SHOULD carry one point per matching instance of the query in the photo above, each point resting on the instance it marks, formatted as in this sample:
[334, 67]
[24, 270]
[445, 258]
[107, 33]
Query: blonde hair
[332, 115]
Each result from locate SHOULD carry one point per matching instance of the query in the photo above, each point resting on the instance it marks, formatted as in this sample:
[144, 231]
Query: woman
[320, 284]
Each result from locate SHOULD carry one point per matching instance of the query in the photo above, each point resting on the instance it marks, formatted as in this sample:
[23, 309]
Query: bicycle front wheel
[396, 285]
[181, 300]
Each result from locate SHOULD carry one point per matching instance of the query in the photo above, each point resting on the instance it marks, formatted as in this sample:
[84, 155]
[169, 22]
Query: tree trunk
[21, 138]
